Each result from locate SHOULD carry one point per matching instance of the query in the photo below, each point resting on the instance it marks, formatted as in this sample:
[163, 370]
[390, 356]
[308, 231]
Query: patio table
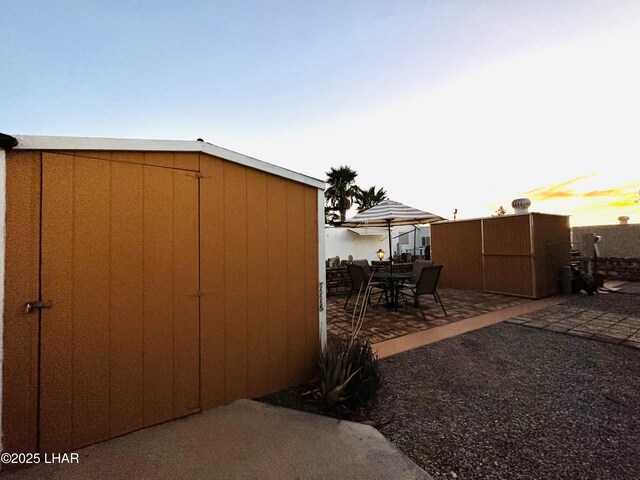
[394, 281]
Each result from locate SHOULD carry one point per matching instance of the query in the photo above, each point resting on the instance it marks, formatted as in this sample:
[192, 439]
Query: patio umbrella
[388, 214]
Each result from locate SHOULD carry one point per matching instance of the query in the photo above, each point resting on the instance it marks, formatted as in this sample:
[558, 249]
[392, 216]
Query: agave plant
[349, 374]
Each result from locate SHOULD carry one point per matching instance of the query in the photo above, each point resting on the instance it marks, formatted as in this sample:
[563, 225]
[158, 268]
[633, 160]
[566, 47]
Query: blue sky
[441, 102]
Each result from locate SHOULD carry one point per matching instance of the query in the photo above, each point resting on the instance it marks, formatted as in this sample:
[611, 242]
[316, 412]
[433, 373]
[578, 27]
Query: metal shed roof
[34, 142]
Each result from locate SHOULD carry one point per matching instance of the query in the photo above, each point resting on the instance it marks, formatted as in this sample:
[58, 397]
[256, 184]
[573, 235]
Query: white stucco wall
[3, 207]
[342, 242]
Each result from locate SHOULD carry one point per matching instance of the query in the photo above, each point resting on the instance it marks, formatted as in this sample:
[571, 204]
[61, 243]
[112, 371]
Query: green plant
[341, 188]
[349, 374]
[365, 199]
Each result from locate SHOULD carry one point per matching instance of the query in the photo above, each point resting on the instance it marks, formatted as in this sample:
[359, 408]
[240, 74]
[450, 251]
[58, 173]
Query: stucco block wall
[622, 241]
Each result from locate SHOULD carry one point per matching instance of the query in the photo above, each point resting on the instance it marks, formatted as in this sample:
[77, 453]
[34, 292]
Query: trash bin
[570, 283]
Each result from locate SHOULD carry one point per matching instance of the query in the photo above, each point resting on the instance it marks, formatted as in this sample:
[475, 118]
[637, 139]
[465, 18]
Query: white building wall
[404, 243]
[342, 242]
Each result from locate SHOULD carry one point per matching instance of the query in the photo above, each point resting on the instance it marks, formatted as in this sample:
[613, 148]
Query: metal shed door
[119, 347]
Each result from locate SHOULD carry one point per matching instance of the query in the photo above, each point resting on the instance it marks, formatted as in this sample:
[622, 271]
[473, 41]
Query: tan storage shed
[181, 276]
[512, 254]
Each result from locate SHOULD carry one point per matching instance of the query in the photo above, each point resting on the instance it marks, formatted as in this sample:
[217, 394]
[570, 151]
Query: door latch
[30, 306]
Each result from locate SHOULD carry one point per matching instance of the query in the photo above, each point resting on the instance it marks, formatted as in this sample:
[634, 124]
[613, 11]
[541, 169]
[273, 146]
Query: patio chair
[418, 265]
[365, 266]
[427, 284]
[359, 282]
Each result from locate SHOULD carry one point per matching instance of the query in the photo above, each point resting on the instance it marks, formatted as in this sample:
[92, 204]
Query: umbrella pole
[390, 248]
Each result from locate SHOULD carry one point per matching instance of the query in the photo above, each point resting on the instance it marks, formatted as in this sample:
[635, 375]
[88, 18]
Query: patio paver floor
[381, 324]
[618, 328]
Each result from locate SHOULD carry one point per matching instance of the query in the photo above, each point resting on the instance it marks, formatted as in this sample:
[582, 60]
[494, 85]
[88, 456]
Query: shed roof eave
[36, 142]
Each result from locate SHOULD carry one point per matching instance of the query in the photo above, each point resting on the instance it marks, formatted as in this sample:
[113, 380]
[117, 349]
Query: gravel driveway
[512, 402]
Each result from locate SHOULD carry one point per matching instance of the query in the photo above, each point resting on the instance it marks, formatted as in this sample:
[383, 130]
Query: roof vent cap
[521, 205]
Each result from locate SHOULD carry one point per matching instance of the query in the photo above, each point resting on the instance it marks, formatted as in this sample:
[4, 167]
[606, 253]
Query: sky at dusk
[445, 104]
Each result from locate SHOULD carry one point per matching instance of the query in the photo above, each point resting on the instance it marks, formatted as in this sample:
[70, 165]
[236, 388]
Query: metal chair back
[428, 281]
[418, 265]
[357, 276]
[365, 266]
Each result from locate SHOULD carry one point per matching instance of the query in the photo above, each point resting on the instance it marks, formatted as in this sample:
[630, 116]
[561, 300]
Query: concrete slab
[245, 439]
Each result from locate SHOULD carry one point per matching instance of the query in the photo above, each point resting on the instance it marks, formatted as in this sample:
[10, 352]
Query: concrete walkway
[245, 439]
[426, 337]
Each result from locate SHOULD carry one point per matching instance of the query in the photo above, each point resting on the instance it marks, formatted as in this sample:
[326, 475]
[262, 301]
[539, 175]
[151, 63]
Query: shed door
[119, 348]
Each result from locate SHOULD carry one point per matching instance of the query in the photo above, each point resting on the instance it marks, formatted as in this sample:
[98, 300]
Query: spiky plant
[349, 374]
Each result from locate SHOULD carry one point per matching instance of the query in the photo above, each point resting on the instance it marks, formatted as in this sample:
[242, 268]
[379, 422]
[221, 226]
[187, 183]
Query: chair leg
[348, 298]
[417, 304]
[439, 300]
[386, 297]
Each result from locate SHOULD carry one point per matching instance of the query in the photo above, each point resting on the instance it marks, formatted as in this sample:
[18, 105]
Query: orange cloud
[558, 190]
[602, 193]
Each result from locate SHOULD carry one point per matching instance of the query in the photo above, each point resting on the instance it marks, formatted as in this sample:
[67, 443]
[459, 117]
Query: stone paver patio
[585, 319]
[382, 324]
[594, 324]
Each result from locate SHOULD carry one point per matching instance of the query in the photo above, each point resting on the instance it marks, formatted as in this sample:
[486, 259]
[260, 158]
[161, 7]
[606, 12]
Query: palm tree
[342, 189]
[365, 199]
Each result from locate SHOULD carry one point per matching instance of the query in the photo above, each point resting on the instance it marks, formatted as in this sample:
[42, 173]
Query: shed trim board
[34, 142]
[85, 145]
[322, 272]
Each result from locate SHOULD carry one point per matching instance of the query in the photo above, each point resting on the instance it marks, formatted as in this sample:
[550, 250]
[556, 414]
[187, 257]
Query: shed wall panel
[296, 307]
[508, 255]
[91, 295]
[552, 246]
[258, 257]
[57, 335]
[235, 275]
[458, 247]
[277, 245]
[508, 235]
[22, 279]
[127, 299]
[158, 299]
[257, 285]
[509, 274]
[186, 284]
[212, 280]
